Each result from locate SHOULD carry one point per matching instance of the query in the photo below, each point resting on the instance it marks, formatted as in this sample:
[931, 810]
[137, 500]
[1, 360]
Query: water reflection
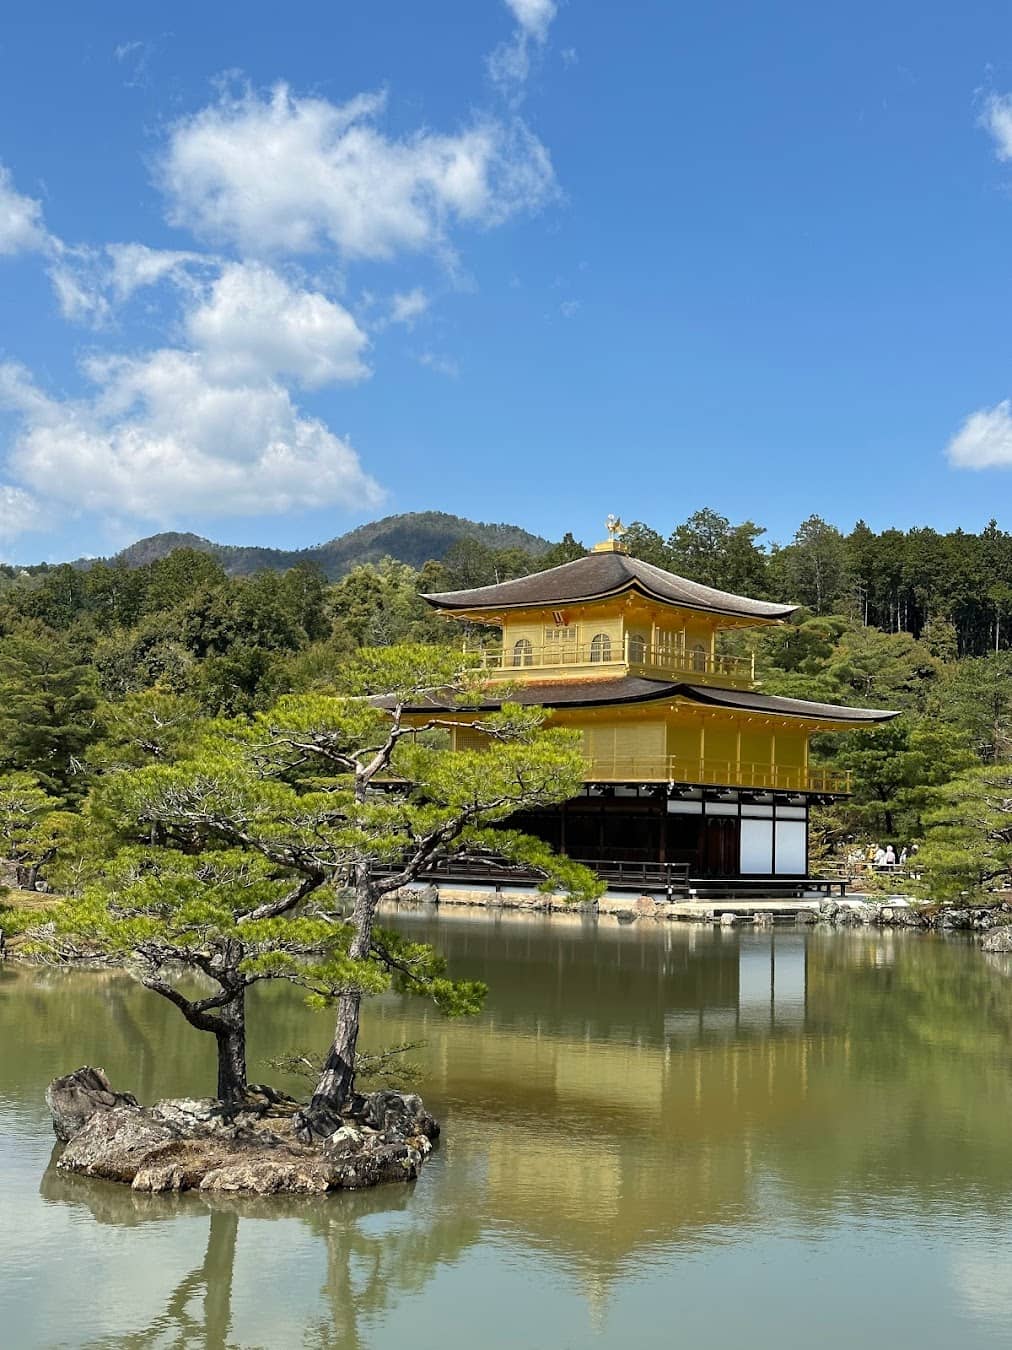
[636, 1106]
[372, 1259]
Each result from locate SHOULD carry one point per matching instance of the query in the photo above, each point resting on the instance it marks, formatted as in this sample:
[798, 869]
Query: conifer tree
[47, 702]
[235, 861]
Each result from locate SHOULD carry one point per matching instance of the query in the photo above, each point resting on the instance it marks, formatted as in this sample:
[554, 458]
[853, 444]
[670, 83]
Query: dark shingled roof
[603, 574]
[747, 701]
[632, 689]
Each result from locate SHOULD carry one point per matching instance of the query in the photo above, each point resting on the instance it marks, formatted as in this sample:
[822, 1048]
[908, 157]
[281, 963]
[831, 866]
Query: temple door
[721, 846]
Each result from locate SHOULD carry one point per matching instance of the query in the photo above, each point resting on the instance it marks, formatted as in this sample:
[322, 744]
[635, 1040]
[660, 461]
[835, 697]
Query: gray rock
[646, 907]
[907, 918]
[401, 1161]
[400, 1113]
[954, 918]
[728, 920]
[115, 1143]
[267, 1175]
[188, 1113]
[344, 1141]
[74, 1099]
[999, 939]
[199, 1143]
[805, 916]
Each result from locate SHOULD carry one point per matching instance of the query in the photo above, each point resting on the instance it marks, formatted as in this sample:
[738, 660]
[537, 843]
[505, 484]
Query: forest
[912, 620]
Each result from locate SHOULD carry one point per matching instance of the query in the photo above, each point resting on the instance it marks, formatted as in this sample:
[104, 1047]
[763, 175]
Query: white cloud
[253, 324]
[78, 292]
[161, 439]
[569, 308]
[282, 173]
[984, 441]
[19, 514]
[997, 118]
[89, 281]
[21, 227]
[132, 266]
[407, 306]
[509, 65]
[533, 16]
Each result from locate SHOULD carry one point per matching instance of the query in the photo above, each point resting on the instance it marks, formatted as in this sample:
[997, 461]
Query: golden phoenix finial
[614, 527]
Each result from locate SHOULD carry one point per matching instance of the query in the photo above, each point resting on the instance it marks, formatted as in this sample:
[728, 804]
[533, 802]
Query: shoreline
[853, 911]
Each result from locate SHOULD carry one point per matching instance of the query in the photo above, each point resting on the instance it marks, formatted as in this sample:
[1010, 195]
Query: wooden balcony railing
[716, 773]
[636, 658]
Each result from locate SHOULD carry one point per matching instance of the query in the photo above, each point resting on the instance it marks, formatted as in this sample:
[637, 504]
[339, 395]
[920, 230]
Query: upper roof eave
[600, 576]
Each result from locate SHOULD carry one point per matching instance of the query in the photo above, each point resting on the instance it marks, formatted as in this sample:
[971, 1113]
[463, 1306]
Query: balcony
[717, 773]
[573, 660]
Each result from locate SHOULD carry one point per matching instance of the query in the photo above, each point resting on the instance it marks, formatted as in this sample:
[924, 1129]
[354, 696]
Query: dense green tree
[709, 549]
[976, 697]
[33, 827]
[153, 726]
[813, 569]
[568, 549]
[47, 710]
[379, 604]
[895, 767]
[968, 845]
[642, 542]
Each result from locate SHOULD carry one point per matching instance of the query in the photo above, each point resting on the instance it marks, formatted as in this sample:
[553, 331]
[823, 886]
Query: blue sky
[267, 273]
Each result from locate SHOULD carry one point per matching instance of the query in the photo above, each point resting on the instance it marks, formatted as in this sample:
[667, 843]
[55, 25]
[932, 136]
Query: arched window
[600, 647]
[698, 657]
[637, 648]
[523, 653]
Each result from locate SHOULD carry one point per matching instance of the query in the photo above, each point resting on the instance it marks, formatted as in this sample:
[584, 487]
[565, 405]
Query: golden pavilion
[687, 762]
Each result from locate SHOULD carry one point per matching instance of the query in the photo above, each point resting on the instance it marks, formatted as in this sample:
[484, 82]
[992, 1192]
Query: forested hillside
[916, 621]
[412, 538]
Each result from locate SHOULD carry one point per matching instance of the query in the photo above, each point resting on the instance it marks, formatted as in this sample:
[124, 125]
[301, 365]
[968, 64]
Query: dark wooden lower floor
[721, 836]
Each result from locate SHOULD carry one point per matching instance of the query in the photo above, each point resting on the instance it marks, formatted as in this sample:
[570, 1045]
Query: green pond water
[657, 1135]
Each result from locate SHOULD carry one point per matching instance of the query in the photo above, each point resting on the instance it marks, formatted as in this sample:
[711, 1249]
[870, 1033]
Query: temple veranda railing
[708, 772]
[632, 656]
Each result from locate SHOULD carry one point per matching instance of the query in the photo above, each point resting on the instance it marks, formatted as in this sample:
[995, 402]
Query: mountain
[413, 538]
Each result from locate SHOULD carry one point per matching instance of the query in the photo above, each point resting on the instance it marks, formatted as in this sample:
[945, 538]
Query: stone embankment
[202, 1144]
[900, 913]
[850, 912]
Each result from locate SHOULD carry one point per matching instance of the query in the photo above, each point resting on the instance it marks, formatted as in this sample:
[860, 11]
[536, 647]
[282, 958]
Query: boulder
[401, 1161]
[805, 916]
[899, 916]
[74, 1099]
[115, 1143]
[646, 907]
[999, 939]
[728, 920]
[398, 1113]
[953, 917]
[192, 1143]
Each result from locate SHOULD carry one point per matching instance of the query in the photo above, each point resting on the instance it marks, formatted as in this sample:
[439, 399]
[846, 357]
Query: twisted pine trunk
[231, 1042]
[337, 1081]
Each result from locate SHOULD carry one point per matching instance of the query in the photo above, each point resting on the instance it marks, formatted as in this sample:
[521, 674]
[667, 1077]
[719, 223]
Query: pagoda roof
[600, 575]
[633, 689]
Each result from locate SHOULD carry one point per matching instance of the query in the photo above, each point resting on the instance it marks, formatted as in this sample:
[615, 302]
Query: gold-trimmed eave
[575, 714]
[498, 615]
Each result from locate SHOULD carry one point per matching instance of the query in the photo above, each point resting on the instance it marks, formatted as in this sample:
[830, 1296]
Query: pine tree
[47, 710]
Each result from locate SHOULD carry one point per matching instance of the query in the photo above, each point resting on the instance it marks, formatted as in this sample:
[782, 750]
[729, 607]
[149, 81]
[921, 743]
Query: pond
[656, 1134]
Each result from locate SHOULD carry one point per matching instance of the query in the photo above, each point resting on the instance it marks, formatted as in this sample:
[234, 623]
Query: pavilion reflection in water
[771, 992]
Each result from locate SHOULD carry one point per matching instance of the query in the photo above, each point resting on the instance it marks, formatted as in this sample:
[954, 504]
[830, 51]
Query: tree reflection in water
[366, 1270]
